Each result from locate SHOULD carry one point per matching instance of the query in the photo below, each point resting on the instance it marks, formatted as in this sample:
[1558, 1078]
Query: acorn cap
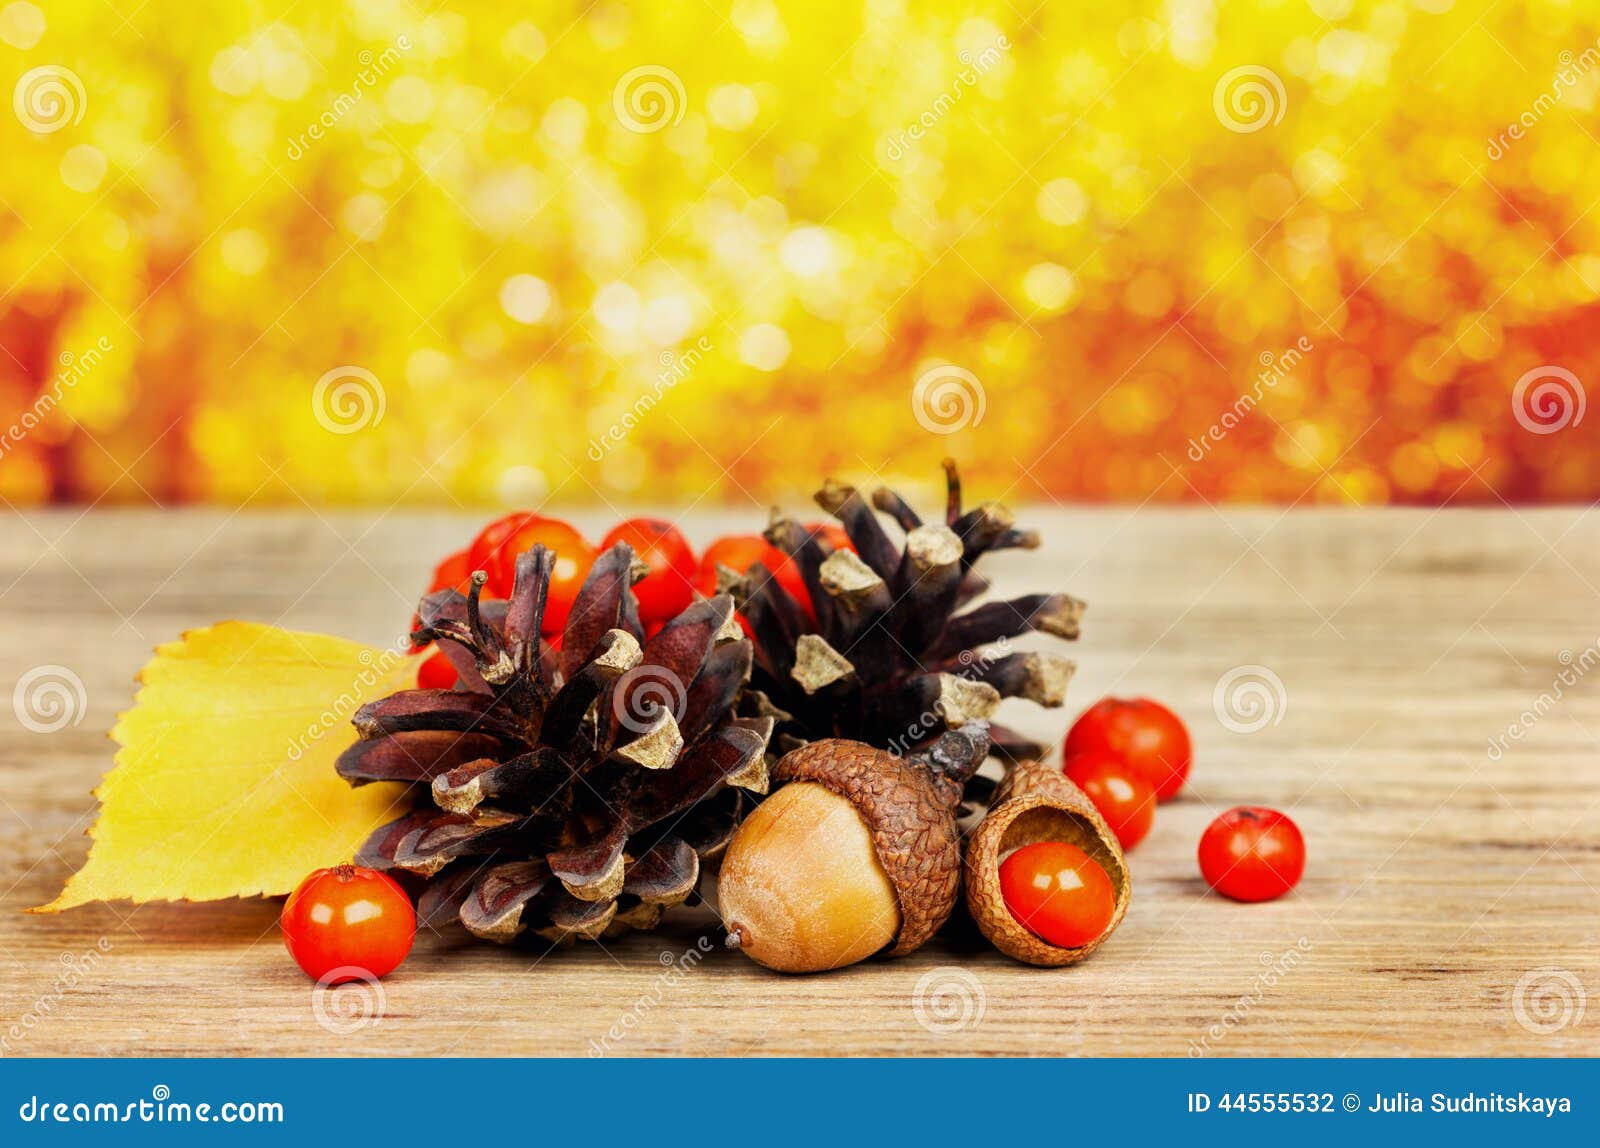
[913, 829]
[1037, 803]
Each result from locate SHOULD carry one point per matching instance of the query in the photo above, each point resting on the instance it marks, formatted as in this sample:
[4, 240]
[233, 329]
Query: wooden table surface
[1451, 903]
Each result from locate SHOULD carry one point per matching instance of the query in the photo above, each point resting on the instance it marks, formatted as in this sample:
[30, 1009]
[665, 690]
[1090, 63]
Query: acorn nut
[857, 854]
[1035, 803]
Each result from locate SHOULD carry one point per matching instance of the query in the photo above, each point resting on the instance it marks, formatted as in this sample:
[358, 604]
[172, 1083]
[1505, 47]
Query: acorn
[857, 854]
[1036, 803]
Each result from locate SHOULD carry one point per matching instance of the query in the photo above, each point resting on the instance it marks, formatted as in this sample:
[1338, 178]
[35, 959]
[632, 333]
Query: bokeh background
[488, 253]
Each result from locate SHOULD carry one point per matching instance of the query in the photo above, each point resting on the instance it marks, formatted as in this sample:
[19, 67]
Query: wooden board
[1440, 878]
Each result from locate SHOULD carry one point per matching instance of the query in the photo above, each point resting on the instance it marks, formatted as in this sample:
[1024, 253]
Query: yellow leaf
[224, 785]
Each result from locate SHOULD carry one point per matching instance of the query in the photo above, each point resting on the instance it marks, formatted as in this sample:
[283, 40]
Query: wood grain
[1439, 877]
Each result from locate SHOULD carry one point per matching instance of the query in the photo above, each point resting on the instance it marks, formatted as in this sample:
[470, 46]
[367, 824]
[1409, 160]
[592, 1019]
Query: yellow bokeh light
[1314, 223]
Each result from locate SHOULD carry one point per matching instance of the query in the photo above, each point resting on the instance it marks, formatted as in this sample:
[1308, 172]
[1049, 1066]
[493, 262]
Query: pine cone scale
[420, 755]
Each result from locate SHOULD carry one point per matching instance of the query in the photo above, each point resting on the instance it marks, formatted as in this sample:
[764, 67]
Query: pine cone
[890, 660]
[574, 789]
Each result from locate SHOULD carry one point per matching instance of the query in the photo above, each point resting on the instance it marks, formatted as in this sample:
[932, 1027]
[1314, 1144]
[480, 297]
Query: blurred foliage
[551, 303]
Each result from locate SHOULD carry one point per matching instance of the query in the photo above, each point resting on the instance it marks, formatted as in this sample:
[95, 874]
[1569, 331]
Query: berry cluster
[676, 574]
[1127, 755]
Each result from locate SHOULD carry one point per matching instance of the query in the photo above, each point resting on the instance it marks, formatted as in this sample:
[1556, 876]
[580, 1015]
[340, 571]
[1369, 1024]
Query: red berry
[1122, 795]
[495, 551]
[437, 673]
[833, 534]
[574, 556]
[454, 573]
[1059, 892]
[1145, 735]
[1252, 854]
[345, 923]
[668, 589]
[484, 553]
[739, 552]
